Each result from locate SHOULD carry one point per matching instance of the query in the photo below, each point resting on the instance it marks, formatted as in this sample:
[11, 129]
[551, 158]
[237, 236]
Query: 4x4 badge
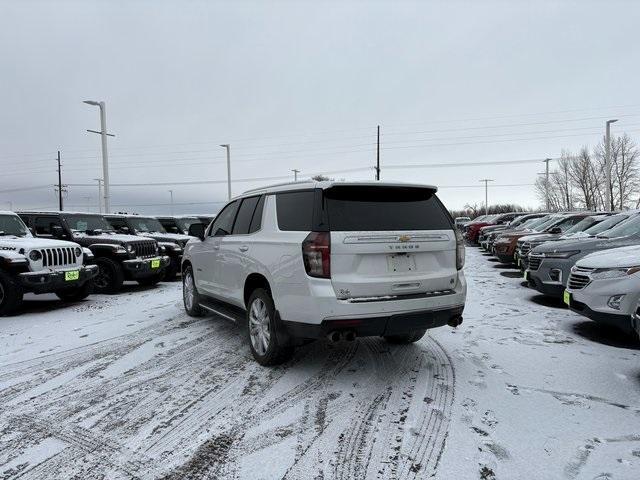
[404, 238]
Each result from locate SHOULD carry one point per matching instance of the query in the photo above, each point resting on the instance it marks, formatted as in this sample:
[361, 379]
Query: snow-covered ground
[129, 386]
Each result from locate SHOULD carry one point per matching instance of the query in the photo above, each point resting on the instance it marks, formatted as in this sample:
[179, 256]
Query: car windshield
[146, 225]
[547, 221]
[13, 225]
[583, 224]
[605, 225]
[83, 223]
[185, 222]
[624, 229]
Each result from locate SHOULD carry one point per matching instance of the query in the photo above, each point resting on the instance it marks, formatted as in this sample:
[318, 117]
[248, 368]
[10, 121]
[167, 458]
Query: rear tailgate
[388, 241]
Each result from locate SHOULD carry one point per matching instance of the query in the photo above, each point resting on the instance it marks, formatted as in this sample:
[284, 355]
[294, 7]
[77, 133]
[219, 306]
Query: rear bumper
[46, 282]
[314, 302]
[141, 268]
[377, 326]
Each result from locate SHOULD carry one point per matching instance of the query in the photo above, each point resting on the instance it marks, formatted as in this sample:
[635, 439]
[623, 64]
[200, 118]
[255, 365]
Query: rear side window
[373, 208]
[256, 221]
[245, 214]
[295, 210]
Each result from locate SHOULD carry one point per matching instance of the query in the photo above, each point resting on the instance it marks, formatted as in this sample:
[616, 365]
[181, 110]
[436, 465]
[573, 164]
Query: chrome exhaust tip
[334, 336]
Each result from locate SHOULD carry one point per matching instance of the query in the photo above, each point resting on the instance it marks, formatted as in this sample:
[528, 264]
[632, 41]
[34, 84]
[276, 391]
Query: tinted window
[170, 225]
[224, 221]
[385, 208]
[116, 223]
[295, 210]
[256, 221]
[245, 214]
[44, 225]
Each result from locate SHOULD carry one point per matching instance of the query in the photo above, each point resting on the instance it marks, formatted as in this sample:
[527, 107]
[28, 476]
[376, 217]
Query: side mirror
[57, 231]
[124, 229]
[197, 230]
[555, 230]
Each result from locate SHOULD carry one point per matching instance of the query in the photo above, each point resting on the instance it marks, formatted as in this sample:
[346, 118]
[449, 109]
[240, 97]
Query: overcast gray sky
[303, 85]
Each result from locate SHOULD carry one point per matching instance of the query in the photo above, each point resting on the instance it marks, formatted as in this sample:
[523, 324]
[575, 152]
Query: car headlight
[614, 272]
[130, 248]
[35, 255]
[78, 251]
[566, 254]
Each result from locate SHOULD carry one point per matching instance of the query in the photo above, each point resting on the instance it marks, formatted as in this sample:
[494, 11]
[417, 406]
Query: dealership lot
[130, 386]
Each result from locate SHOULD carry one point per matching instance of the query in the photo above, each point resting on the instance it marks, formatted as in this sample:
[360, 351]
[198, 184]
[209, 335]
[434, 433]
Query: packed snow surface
[129, 386]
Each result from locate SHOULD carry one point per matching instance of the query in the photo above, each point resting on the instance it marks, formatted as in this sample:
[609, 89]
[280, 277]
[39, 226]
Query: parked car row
[591, 260]
[74, 254]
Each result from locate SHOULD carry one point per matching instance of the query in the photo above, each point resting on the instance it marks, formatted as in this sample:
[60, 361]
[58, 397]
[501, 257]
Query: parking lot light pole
[105, 156]
[607, 165]
[486, 194]
[228, 147]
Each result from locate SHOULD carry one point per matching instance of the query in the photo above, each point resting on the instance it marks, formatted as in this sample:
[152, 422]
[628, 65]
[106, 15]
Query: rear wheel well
[254, 281]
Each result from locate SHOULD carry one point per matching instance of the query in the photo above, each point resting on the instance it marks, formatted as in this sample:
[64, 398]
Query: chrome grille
[534, 262]
[58, 257]
[579, 278]
[524, 249]
[145, 248]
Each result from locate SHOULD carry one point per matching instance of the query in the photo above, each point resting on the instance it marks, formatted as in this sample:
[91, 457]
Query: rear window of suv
[382, 208]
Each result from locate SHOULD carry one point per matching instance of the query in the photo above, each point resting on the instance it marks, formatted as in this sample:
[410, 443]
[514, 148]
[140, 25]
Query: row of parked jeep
[590, 260]
[75, 254]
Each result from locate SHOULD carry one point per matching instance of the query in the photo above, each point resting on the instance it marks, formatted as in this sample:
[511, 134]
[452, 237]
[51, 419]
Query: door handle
[244, 248]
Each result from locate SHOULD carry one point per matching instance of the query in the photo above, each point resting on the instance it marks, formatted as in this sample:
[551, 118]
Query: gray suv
[550, 263]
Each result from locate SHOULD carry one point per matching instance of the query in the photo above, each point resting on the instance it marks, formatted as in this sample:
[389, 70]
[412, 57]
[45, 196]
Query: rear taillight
[460, 253]
[316, 254]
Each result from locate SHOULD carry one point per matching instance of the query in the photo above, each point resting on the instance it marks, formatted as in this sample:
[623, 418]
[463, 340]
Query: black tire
[274, 353]
[10, 295]
[190, 297]
[151, 281]
[76, 294]
[110, 276]
[405, 338]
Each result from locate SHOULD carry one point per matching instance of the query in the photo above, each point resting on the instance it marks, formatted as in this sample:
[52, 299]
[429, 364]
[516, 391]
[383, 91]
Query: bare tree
[625, 159]
[584, 178]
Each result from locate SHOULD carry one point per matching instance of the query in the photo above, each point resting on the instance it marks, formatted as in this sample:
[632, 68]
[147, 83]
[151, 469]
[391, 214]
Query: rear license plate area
[401, 262]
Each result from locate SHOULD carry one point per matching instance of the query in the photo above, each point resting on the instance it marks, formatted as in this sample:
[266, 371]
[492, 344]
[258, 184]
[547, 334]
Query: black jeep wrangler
[119, 257]
[150, 227]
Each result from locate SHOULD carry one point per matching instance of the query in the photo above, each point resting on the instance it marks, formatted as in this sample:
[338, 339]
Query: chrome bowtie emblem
[404, 238]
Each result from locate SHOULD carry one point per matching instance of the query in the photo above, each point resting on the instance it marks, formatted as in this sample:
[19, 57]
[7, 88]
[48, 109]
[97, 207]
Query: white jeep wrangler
[328, 259]
[37, 265]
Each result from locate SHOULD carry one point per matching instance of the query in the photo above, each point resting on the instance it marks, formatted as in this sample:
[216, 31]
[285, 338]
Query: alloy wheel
[259, 327]
[188, 290]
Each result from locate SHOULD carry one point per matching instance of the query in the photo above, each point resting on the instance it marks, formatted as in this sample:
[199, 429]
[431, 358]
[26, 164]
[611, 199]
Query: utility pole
[607, 165]
[295, 174]
[228, 147]
[105, 156]
[171, 193]
[59, 183]
[546, 183]
[99, 180]
[378, 156]
[486, 194]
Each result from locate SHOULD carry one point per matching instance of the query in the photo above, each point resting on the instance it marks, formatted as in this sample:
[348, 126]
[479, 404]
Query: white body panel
[221, 266]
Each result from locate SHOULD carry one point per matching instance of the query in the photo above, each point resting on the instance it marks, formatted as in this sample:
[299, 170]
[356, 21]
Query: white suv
[328, 259]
